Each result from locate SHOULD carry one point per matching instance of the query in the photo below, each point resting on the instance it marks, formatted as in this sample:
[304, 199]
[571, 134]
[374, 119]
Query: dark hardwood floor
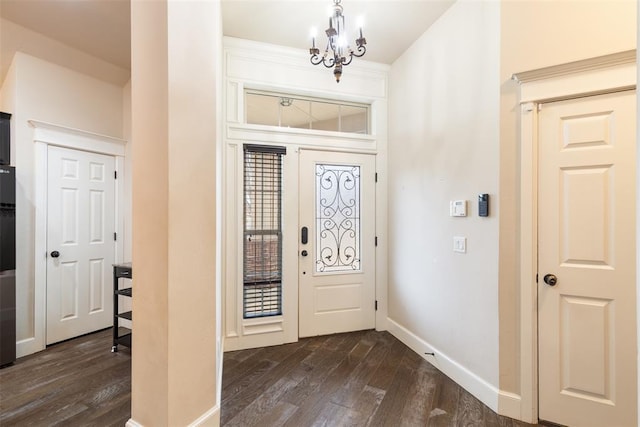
[74, 383]
[365, 378]
[355, 379]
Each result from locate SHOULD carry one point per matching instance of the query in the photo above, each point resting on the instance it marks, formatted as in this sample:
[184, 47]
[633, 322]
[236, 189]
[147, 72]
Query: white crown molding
[594, 76]
[591, 64]
[63, 136]
[269, 66]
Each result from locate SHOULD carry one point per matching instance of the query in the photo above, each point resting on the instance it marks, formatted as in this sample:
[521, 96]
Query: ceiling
[101, 27]
[97, 27]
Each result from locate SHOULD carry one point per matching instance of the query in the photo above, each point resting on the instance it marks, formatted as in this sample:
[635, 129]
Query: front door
[80, 242]
[587, 261]
[336, 242]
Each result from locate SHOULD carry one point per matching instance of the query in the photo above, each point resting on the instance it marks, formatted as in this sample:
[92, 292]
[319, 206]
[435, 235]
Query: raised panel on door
[337, 263]
[586, 220]
[80, 228]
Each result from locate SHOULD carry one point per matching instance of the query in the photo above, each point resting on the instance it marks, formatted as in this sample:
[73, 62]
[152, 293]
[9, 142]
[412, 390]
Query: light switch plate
[460, 244]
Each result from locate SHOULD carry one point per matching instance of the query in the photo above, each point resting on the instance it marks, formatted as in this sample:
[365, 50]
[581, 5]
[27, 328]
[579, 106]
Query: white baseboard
[28, 346]
[510, 405]
[211, 418]
[503, 403]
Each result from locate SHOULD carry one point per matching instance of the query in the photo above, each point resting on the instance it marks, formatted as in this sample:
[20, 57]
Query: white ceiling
[98, 27]
[390, 26]
[101, 27]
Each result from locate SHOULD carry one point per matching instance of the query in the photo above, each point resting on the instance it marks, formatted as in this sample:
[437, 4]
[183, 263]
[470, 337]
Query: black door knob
[55, 254]
[304, 253]
[550, 279]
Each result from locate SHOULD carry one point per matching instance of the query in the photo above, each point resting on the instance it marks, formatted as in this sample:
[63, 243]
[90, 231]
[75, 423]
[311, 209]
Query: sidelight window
[262, 265]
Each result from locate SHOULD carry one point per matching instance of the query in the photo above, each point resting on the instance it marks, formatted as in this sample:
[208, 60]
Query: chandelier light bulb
[360, 24]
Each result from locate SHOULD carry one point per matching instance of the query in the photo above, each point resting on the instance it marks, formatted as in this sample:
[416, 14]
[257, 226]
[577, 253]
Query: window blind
[262, 264]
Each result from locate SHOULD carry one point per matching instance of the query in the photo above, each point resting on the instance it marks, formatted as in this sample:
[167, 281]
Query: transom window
[293, 111]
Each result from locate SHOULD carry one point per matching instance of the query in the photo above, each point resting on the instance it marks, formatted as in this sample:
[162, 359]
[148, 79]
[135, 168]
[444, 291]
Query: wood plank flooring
[355, 379]
[365, 378]
[74, 383]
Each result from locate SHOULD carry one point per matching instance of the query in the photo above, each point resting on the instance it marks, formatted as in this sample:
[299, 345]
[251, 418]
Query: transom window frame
[293, 97]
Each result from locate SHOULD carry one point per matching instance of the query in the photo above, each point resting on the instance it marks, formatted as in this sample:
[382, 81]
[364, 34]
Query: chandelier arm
[328, 61]
[315, 59]
[360, 51]
[346, 61]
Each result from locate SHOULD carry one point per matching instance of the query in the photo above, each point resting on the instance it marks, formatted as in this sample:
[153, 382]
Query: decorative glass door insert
[337, 218]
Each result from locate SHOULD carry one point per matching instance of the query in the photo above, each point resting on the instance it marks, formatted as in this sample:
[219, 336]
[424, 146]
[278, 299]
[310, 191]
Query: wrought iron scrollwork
[338, 218]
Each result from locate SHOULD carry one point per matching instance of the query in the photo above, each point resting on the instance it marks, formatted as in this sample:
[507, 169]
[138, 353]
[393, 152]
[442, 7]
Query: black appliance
[5, 139]
[7, 249]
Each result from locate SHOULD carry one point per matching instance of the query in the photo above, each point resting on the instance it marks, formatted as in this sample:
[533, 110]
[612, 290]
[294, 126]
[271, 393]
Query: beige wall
[15, 38]
[128, 167]
[432, 160]
[50, 93]
[537, 34]
[444, 145]
[176, 363]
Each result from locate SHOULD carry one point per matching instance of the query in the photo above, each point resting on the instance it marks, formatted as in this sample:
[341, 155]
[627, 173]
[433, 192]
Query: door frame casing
[45, 135]
[366, 180]
[595, 76]
[258, 66]
[242, 333]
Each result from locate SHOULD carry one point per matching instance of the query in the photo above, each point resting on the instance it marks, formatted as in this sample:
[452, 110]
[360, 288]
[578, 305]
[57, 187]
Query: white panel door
[337, 262]
[80, 242]
[586, 217]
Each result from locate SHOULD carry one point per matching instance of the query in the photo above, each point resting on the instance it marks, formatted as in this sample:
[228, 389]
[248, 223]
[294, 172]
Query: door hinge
[376, 240]
[536, 277]
[376, 305]
[115, 174]
[115, 237]
[376, 176]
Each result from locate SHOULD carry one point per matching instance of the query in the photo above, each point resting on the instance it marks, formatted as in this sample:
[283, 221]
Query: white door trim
[605, 74]
[46, 134]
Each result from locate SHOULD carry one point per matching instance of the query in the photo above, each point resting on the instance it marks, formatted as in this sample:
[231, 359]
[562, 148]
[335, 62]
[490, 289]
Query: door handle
[55, 254]
[304, 253]
[304, 235]
[550, 279]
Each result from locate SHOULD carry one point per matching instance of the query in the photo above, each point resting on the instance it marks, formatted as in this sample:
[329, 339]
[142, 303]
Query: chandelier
[341, 53]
